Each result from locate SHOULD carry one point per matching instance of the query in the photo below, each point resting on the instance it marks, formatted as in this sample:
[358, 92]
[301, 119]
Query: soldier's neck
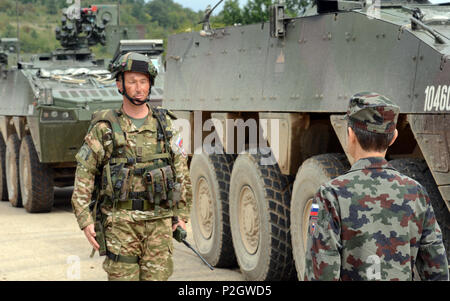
[137, 112]
[359, 153]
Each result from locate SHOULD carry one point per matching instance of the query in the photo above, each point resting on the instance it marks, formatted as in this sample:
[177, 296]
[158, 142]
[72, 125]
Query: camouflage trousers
[151, 241]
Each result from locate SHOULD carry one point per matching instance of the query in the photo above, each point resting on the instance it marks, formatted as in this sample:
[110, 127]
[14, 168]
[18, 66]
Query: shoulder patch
[177, 146]
[84, 152]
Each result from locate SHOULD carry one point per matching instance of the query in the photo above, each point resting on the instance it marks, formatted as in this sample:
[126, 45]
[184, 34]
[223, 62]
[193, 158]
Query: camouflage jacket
[373, 223]
[97, 150]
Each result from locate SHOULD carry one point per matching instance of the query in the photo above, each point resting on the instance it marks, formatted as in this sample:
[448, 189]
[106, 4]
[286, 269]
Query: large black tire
[36, 179]
[314, 172]
[259, 216]
[419, 171]
[3, 185]
[210, 176]
[12, 170]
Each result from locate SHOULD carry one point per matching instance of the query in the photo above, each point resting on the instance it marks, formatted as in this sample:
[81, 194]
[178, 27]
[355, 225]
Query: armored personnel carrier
[46, 106]
[261, 106]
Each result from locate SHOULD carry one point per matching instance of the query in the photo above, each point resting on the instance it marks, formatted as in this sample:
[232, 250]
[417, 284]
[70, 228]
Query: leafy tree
[138, 11]
[160, 11]
[256, 11]
[231, 13]
[38, 19]
[52, 8]
[294, 7]
[10, 31]
[34, 34]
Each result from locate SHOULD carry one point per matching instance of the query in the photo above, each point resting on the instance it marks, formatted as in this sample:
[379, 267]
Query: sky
[197, 5]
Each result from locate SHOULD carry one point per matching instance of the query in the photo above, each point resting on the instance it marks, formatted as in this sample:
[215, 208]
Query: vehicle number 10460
[437, 98]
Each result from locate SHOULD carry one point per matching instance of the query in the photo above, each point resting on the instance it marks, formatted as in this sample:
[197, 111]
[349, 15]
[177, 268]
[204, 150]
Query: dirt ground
[50, 246]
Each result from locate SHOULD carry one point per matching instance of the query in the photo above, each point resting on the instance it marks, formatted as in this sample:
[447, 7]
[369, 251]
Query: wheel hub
[249, 221]
[27, 183]
[205, 209]
[11, 175]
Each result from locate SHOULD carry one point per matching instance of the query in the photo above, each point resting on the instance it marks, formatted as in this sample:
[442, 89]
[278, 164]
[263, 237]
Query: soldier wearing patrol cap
[373, 223]
[132, 179]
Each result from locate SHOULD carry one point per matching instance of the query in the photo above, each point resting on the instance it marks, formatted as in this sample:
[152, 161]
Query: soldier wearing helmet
[132, 179]
[373, 223]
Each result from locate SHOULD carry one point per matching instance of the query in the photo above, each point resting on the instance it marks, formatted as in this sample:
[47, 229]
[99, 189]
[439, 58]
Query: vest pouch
[158, 183]
[125, 185]
[149, 186]
[158, 188]
[100, 237]
[119, 179]
[169, 183]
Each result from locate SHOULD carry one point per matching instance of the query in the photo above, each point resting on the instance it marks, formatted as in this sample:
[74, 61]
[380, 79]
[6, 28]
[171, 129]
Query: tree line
[161, 18]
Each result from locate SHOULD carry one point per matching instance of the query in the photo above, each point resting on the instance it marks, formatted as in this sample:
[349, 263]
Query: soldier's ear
[119, 83]
[351, 135]
[395, 137]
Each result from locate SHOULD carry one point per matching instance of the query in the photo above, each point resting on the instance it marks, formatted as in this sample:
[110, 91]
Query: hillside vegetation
[160, 18]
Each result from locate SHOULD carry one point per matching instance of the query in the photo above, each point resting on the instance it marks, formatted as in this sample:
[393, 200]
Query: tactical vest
[156, 171]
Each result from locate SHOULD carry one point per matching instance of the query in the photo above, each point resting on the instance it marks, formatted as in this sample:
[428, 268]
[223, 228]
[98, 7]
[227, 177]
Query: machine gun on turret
[81, 29]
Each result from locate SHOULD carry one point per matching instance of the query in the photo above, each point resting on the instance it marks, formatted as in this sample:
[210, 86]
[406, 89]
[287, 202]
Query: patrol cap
[134, 62]
[373, 112]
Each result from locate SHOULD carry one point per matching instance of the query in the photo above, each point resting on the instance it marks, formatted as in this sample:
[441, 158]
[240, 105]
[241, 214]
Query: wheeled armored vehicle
[261, 108]
[46, 105]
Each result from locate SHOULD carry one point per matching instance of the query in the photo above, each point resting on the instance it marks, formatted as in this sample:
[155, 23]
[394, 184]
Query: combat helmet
[134, 62]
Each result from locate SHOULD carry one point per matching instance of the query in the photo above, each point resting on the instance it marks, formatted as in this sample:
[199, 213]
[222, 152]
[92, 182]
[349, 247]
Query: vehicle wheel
[210, 176]
[3, 185]
[314, 172]
[12, 170]
[419, 171]
[259, 216]
[36, 178]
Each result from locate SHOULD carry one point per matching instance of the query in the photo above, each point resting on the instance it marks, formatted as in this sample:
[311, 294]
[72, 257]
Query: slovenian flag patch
[314, 211]
[177, 146]
[179, 142]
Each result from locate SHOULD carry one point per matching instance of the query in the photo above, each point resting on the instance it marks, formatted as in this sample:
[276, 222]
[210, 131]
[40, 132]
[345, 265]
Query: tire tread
[278, 189]
[223, 165]
[42, 187]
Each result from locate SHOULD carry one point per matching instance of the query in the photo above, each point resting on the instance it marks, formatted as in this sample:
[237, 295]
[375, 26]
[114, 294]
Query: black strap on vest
[160, 115]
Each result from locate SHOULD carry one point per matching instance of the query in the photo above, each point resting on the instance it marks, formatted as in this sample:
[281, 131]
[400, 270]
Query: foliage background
[161, 18]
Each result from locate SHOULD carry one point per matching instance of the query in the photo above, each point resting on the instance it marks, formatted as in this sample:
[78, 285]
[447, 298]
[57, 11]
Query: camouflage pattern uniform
[145, 234]
[373, 223]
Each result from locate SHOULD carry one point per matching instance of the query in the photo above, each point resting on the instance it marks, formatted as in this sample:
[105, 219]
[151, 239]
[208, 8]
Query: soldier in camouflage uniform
[373, 223]
[133, 163]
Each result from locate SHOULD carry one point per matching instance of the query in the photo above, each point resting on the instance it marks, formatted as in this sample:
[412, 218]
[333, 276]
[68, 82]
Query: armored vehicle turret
[261, 110]
[46, 106]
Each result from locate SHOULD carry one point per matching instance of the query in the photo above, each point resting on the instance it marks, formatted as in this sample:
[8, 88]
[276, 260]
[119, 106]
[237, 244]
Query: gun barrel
[200, 256]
